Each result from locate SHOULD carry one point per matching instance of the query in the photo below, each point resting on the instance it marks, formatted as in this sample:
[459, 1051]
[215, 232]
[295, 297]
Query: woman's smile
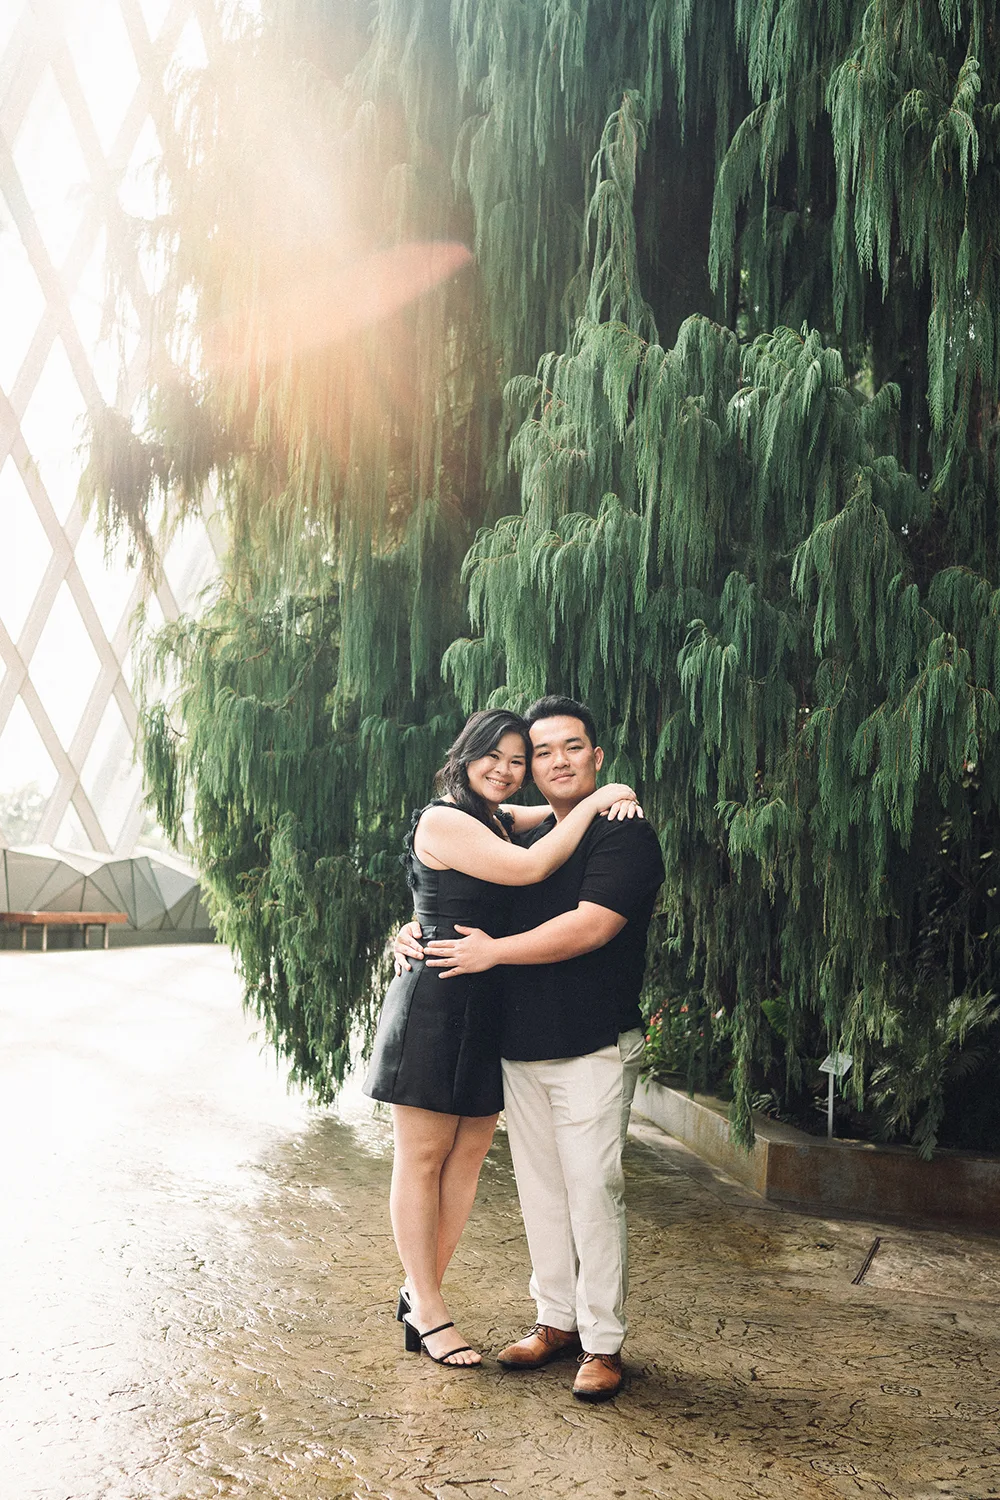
[501, 771]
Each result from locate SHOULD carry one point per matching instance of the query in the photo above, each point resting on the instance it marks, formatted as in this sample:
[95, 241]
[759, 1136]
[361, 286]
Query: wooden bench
[47, 919]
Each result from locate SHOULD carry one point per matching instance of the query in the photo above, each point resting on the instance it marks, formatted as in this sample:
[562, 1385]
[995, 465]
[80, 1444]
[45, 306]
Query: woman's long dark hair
[482, 733]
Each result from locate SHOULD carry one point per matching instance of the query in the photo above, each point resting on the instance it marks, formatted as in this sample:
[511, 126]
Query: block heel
[415, 1341]
[411, 1338]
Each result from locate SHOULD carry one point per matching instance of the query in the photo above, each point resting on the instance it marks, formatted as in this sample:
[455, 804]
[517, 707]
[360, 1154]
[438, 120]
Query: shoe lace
[547, 1333]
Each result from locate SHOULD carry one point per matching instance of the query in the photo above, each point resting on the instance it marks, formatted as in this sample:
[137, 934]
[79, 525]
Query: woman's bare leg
[423, 1142]
[459, 1180]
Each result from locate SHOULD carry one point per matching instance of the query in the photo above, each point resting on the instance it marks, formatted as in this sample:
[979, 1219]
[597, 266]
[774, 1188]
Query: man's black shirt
[582, 1004]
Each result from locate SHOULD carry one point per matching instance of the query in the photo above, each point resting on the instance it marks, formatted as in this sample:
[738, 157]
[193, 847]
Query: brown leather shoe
[539, 1345]
[598, 1378]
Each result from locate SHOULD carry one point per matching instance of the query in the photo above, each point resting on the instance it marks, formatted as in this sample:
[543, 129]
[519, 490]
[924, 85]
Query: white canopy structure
[159, 892]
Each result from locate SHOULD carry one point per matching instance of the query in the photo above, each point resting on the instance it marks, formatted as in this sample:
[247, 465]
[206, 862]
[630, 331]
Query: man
[572, 1044]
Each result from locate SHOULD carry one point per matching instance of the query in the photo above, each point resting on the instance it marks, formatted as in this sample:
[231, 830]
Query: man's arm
[582, 930]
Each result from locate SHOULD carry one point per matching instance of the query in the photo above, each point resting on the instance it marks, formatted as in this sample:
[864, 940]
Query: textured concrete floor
[197, 1279]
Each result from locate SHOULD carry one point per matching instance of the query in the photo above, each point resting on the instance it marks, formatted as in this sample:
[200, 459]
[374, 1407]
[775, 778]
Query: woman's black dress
[438, 1040]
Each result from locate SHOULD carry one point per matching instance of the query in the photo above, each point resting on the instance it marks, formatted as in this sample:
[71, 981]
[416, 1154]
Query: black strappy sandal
[403, 1305]
[415, 1341]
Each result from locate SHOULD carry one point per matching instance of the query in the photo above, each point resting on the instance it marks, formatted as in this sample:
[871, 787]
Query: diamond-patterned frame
[38, 42]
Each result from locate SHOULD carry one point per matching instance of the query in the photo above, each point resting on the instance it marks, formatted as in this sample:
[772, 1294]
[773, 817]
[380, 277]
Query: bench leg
[24, 937]
[105, 934]
[45, 937]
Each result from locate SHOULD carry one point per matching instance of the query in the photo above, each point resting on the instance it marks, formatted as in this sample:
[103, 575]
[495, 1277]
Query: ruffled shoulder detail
[409, 853]
[407, 856]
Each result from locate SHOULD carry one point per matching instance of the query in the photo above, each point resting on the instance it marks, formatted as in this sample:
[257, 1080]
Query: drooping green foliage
[322, 381]
[730, 333]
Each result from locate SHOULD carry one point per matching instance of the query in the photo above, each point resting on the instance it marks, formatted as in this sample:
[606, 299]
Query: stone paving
[198, 1285]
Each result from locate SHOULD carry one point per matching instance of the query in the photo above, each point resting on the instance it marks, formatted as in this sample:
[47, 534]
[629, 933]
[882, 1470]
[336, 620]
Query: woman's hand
[406, 946]
[628, 807]
[471, 954]
[607, 796]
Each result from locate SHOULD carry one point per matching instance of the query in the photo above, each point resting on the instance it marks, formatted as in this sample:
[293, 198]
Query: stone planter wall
[788, 1166]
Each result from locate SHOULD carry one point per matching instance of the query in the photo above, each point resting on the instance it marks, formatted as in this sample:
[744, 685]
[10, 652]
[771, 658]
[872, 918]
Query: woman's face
[499, 773]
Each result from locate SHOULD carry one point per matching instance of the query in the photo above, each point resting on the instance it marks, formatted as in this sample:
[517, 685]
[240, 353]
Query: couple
[561, 899]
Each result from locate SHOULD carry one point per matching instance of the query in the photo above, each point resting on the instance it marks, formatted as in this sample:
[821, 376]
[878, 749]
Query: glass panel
[154, 14]
[151, 835]
[27, 777]
[10, 14]
[110, 350]
[53, 429]
[25, 553]
[189, 54]
[108, 777]
[71, 834]
[113, 587]
[152, 267]
[141, 194]
[190, 563]
[153, 620]
[87, 306]
[105, 64]
[52, 169]
[21, 299]
[64, 666]
[128, 334]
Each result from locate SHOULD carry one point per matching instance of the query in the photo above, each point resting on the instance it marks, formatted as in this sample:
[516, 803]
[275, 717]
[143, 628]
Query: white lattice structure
[81, 82]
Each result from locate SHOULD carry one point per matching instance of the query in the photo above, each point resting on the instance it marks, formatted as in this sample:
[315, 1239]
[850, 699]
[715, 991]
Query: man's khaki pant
[566, 1122]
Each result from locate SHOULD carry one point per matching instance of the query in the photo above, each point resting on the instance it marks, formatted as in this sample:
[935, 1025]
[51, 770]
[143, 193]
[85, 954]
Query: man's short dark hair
[556, 707]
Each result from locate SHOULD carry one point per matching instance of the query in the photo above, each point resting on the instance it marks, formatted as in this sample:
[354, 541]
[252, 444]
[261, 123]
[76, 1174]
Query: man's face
[564, 764]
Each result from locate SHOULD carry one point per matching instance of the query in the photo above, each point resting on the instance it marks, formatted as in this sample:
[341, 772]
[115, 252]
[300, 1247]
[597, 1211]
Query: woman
[436, 1058]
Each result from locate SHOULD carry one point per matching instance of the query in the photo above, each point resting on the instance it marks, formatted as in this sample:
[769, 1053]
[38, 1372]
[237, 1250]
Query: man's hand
[468, 955]
[406, 946]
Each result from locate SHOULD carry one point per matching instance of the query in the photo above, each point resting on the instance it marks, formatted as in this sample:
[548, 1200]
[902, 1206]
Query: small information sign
[835, 1065]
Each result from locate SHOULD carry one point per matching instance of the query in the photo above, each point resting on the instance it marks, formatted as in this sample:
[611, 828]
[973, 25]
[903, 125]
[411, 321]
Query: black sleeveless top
[443, 897]
[438, 1040]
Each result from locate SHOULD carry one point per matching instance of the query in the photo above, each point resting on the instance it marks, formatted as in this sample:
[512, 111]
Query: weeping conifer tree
[746, 505]
[767, 553]
[322, 380]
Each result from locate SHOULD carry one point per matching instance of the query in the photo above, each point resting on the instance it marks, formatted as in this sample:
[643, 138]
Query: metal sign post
[836, 1065]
